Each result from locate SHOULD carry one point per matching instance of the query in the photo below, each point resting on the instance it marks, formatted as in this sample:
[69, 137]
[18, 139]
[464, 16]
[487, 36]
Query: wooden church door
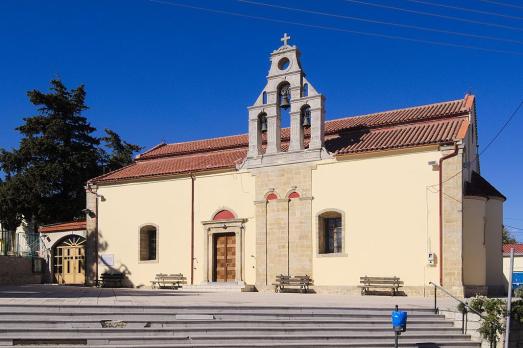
[225, 257]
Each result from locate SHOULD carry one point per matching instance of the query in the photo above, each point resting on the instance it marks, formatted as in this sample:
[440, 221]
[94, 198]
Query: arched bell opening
[284, 103]
[262, 122]
[68, 263]
[305, 90]
[305, 116]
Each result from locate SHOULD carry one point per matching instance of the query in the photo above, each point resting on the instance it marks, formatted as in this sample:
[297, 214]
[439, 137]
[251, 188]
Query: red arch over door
[223, 215]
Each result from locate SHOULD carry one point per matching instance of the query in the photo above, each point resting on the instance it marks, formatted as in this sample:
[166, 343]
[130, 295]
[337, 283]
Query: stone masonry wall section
[17, 270]
[283, 224]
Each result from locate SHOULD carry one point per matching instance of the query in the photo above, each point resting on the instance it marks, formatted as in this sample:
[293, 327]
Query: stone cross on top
[284, 39]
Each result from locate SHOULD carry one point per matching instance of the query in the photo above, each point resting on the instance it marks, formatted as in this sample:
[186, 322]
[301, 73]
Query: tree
[58, 153]
[121, 151]
[507, 237]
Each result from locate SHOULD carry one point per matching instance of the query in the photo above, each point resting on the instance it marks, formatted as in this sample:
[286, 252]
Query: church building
[393, 193]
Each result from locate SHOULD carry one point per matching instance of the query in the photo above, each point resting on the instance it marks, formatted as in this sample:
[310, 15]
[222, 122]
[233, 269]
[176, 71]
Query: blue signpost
[517, 280]
[399, 324]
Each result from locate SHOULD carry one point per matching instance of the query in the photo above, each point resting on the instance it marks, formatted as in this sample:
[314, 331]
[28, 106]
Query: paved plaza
[73, 295]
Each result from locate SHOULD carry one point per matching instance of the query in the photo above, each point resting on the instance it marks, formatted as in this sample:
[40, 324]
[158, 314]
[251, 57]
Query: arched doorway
[69, 260]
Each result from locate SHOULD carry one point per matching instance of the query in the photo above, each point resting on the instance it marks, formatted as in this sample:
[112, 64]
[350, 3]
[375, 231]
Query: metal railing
[19, 244]
[464, 312]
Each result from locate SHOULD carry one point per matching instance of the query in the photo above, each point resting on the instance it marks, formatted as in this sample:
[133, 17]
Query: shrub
[493, 311]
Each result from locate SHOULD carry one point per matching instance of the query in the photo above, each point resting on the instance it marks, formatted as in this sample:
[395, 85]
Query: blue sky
[157, 72]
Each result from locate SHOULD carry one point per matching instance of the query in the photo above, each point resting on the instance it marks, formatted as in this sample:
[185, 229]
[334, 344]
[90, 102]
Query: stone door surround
[211, 228]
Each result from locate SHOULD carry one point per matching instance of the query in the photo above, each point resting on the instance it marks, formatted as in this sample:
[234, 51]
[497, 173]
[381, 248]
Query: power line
[423, 13]
[515, 228]
[466, 9]
[373, 21]
[504, 4]
[505, 125]
[330, 28]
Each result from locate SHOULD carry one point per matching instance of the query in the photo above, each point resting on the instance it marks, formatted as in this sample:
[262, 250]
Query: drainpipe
[96, 195]
[288, 237]
[266, 243]
[192, 228]
[450, 155]
[96, 239]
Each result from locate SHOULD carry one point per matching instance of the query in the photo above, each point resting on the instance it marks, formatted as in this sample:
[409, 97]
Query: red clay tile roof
[422, 125]
[518, 249]
[65, 226]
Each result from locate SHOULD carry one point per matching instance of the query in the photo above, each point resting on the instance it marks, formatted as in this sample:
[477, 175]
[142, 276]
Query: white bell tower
[287, 87]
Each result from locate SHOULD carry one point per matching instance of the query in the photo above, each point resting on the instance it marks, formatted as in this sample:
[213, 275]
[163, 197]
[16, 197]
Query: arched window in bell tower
[262, 122]
[305, 116]
[305, 90]
[264, 97]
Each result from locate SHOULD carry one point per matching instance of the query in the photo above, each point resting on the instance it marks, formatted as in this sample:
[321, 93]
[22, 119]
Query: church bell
[285, 102]
[306, 118]
[263, 123]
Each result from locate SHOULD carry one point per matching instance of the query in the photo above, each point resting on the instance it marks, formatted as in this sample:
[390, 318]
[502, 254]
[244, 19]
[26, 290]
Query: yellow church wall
[474, 241]
[233, 191]
[391, 217]
[494, 213]
[166, 204]
[126, 207]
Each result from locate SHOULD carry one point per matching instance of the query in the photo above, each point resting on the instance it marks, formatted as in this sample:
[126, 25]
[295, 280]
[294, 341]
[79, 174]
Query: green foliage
[121, 151]
[493, 311]
[507, 237]
[518, 292]
[462, 308]
[517, 310]
[45, 176]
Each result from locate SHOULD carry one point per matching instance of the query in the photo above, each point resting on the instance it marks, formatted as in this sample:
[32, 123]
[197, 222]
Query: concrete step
[43, 308]
[202, 324]
[221, 326]
[297, 312]
[239, 338]
[208, 316]
[232, 331]
[369, 344]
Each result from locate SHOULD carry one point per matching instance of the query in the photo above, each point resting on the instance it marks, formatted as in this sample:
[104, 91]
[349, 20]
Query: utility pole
[509, 298]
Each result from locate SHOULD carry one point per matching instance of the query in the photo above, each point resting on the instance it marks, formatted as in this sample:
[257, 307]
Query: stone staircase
[219, 326]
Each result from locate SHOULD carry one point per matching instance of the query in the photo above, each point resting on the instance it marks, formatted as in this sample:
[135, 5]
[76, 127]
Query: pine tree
[121, 153]
[58, 153]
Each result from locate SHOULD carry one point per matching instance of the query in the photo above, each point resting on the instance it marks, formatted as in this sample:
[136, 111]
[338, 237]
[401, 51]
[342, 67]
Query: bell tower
[286, 88]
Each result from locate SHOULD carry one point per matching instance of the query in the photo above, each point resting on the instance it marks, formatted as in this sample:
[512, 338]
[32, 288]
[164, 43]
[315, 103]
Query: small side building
[63, 248]
[517, 277]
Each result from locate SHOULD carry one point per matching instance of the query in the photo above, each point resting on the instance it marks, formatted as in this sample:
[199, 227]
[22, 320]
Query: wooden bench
[369, 283]
[169, 281]
[300, 282]
[112, 279]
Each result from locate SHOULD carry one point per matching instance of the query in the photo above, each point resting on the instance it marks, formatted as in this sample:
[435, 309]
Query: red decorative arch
[294, 195]
[271, 196]
[224, 215]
